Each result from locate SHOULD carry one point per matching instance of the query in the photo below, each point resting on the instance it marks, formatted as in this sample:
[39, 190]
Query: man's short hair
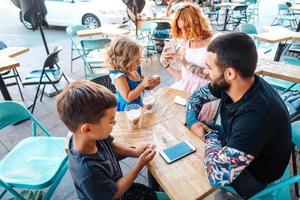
[236, 50]
[83, 102]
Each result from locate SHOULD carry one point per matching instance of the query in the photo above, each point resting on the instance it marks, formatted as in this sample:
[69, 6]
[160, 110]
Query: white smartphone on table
[170, 44]
[177, 151]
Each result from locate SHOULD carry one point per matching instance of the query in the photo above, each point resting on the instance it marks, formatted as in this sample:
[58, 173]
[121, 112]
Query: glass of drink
[148, 101]
[134, 116]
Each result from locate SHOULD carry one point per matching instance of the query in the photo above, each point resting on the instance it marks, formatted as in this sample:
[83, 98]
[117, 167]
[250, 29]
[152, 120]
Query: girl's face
[136, 62]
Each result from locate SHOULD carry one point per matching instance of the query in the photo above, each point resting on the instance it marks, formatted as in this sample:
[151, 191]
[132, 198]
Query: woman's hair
[123, 54]
[195, 23]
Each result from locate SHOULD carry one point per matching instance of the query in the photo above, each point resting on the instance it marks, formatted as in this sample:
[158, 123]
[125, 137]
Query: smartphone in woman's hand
[170, 45]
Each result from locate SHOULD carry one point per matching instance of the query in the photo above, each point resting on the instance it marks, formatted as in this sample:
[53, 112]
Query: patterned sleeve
[115, 74]
[195, 103]
[223, 164]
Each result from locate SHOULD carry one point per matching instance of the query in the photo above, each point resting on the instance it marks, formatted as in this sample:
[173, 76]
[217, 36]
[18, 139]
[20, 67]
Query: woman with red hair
[192, 32]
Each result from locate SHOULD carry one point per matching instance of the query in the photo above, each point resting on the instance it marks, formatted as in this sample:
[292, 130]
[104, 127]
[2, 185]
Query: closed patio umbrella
[33, 12]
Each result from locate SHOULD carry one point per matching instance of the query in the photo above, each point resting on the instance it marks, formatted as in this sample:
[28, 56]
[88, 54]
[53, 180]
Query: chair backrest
[105, 81]
[52, 59]
[93, 44]
[72, 30]
[2, 45]
[12, 112]
[289, 4]
[242, 8]
[296, 133]
[282, 7]
[148, 27]
[248, 28]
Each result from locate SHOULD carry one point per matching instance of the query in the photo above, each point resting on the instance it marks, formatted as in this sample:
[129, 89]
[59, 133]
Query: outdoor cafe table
[278, 70]
[103, 30]
[6, 63]
[184, 179]
[278, 35]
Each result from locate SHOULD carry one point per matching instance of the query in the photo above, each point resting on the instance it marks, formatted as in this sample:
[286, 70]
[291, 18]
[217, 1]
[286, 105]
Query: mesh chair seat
[33, 162]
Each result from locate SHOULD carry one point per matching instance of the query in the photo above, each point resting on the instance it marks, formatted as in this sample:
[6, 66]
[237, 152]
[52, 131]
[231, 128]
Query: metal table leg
[4, 90]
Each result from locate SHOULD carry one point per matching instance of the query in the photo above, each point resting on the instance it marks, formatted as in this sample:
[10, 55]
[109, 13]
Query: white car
[91, 13]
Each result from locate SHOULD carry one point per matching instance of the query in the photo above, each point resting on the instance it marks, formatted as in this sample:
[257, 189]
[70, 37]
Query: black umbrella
[34, 12]
[136, 6]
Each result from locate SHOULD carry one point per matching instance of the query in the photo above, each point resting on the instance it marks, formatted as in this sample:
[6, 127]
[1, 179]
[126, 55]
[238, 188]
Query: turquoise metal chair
[285, 14]
[75, 45]
[146, 38]
[278, 190]
[36, 162]
[296, 143]
[93, 54]
[251, 30]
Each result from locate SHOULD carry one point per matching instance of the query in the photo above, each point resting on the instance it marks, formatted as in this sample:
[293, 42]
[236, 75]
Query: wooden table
[279, 70]
[7, 62]
[184, 179]
[278, 35]
[103, 30]
[13, 51]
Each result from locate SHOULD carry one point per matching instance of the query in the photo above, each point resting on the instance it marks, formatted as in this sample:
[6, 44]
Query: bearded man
[252, 146]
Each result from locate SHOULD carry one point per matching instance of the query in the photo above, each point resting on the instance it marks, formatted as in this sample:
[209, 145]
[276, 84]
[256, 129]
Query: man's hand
[200, 129]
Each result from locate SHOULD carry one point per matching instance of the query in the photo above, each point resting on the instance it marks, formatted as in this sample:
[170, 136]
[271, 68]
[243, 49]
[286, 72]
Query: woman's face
[183, 28]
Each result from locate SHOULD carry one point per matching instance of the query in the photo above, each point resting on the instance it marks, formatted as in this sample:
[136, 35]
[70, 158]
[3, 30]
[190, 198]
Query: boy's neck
[84, 145]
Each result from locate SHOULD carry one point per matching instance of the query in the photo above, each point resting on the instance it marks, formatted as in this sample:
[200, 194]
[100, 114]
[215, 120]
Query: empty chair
[145, 38]
[36, 162]
[49, 74]
[75, 46]
[238, 15]
[251, 30]
[93, 53]
[105, 81]
[11, 75]
[284, 14]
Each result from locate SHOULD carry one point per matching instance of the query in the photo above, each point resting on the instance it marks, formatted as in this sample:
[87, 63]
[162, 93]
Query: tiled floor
[46, 113]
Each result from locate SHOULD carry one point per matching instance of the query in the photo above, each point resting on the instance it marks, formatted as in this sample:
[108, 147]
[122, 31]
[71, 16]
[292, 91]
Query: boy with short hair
[88, 111]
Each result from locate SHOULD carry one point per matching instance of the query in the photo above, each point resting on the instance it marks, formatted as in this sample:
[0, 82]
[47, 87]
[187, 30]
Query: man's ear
[86, 129]
[230, 74]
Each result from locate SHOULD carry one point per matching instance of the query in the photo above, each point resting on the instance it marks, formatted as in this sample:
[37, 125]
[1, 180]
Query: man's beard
[220, 83]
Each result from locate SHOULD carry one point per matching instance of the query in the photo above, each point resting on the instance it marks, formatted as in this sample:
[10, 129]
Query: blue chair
[280, 189]
[36, 162]
[146, 38]
[93, 54]
[285, 14]
[296, 143]
[251, 30]
[75, 46]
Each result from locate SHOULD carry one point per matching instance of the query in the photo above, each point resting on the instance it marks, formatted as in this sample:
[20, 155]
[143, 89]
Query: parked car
[161, 2]
[91, 13]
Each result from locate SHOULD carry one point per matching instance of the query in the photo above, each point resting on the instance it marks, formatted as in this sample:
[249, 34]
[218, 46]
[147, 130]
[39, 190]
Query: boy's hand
[146, 156]
[141, 149]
